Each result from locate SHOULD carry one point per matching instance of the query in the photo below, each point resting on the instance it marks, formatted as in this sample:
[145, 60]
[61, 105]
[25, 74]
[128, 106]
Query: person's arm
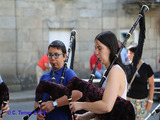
[151, 92]
[48, 106]
[112, 90]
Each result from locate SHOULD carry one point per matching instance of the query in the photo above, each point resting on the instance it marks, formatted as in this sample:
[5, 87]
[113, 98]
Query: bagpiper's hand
[5, 108]
[47, 106]
[75, 106]
[148, 106]
[41, 115]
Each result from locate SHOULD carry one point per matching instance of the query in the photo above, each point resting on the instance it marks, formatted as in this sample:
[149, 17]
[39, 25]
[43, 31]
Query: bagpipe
[4, 95]
[122, 109]
[72, 46]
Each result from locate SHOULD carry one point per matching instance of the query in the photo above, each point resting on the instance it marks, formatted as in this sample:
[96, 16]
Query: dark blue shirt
[57, 114]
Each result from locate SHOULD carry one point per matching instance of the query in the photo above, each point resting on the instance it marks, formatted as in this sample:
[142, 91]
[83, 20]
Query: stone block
[94, 5]
[7, 4]
[109, 6]
[109, 13]
[36, 35]
[23, 35]
[83, 23]
[95, 23]
[7, 35]
[91, 13]
[30, 4]
[81, 5]
[7, 22]
[112, 1]
[7, 46]
[8, 67]
[23, 4]
[7, 11]
[151, 33]
[109, 22]
[123, 24]
[33, 12]
[88, 1]
[7, 58]
[153, 43]
[29, 22]
[87, 35]
[84, 56]
[83, 46]
[20, 12]
[49, 12]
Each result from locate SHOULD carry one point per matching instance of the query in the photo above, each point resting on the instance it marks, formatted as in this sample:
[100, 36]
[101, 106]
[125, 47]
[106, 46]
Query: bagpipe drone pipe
[123, 109]
[4, 95]
[131, 68]
[42, 87]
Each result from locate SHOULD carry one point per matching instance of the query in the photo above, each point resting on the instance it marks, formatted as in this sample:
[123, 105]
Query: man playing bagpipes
[4, 98]
[57, 55]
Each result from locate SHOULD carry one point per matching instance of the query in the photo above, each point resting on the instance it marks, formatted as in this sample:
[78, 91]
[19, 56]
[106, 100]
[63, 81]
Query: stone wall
[25, 26]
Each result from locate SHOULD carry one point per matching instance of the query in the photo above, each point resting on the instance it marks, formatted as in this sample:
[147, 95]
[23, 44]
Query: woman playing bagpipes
[4, 98]
[106, 46]
[101, 106]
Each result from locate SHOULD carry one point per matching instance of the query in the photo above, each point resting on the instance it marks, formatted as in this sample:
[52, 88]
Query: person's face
[58, 62]
[102, 52]
[130, 55]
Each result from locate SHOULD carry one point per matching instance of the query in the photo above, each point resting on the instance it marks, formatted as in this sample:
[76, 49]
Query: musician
[99, 70]
[57, 55]
[124, 55]
[42, 66]
[5, 108]
[106, 47]
[138, 93]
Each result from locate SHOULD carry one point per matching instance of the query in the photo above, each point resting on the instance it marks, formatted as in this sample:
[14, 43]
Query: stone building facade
[25, 26]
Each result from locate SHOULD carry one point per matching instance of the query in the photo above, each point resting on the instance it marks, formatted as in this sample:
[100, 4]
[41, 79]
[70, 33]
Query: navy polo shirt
[57, 114]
